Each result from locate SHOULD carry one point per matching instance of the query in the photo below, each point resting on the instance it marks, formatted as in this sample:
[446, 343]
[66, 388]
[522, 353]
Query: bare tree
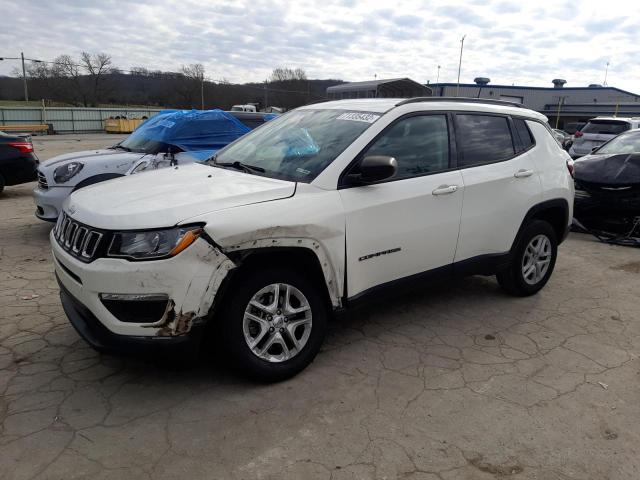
[191, 88]
[66, 72]
[142, 71]
[194, 71]
[96, 65]
[285, 74]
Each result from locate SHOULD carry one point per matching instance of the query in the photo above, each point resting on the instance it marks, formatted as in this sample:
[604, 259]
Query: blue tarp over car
[199, 132]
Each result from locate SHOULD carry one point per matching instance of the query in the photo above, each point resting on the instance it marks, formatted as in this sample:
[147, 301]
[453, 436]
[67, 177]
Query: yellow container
[121, 125]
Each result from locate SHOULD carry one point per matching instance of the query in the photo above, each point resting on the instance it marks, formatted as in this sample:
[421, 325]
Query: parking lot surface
[458, 381]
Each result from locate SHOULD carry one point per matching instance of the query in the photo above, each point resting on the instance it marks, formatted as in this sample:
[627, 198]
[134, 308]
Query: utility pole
[606, 72]
[202, 92]
[460, 65]
[24, 79]
[266, 94]
[438, 75]
[560, 101]
[24, 70]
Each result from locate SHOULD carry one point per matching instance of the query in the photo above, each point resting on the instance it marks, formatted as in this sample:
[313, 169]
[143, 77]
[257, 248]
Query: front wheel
[274, 323]
[533, 260]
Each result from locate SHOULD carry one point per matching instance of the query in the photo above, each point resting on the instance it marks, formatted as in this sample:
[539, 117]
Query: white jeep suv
[312, 212]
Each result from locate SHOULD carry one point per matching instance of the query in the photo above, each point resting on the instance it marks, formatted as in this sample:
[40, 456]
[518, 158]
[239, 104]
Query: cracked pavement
[458, 381]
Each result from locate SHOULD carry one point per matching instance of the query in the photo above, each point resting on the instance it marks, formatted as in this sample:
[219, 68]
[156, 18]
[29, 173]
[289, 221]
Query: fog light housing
[136, 307]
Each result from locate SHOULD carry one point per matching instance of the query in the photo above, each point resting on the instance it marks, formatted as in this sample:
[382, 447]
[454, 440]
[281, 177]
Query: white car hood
[111, 155]
[165, 197]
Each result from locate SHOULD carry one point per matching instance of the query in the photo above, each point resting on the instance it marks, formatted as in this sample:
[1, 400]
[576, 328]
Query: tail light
[22, 147]
[578, 134]
[571, 168]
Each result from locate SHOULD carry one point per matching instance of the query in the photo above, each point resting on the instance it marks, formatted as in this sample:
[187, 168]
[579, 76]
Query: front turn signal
[187, 239]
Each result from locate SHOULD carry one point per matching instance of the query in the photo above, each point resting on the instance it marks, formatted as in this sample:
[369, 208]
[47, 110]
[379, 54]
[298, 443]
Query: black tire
[2, 184]
[231, 324]
[512, 279]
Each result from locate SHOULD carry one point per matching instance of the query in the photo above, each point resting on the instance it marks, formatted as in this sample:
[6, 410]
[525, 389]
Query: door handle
[445, 189]
[522, 173]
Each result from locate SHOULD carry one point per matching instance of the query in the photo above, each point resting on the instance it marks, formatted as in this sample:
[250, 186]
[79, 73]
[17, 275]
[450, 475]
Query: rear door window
[607, 127]
[483, 139]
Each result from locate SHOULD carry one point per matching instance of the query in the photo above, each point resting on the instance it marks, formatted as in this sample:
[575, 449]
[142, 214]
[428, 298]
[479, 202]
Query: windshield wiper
[240, 166]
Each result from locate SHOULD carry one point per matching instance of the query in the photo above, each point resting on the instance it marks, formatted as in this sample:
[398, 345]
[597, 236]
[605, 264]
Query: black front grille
[42, 181]
[77, 239]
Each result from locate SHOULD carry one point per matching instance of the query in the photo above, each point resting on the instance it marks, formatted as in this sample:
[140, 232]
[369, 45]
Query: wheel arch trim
[277, 245]
[546, 206]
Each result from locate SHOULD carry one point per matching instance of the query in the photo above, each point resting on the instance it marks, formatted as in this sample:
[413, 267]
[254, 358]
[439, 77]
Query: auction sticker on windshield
[358, 117]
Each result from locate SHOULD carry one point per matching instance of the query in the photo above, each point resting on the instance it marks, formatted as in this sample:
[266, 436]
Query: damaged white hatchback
[325, 206]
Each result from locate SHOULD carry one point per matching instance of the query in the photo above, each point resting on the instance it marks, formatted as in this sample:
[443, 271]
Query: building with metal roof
[389, 88]
[562, 105]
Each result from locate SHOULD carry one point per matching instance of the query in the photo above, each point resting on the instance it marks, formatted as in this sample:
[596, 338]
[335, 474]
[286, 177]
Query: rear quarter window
[524, 134]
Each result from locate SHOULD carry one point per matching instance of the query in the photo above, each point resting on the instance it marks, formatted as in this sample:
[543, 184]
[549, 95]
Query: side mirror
[375, 168]
[594, 149]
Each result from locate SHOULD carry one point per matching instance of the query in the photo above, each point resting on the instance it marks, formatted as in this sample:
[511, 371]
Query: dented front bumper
[189, 281]
[104, 340]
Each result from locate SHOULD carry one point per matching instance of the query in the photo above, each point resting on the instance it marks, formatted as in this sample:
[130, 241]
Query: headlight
[153, 244]
[65, 172]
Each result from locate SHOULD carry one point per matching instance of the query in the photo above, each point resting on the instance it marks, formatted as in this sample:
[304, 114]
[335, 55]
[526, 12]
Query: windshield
[298, 145]
[629, 143]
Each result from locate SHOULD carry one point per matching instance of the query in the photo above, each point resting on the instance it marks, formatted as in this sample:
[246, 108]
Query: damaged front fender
[187, 306]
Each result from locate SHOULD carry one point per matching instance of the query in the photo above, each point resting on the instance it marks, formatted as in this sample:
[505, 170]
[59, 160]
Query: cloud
[510, 41]
[506, 7]
[464, 15]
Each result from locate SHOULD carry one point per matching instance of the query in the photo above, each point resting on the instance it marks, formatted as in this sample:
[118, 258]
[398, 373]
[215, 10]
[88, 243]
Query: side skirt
[480, 265]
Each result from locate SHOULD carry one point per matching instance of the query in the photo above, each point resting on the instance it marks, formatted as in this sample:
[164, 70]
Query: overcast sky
[512, 42]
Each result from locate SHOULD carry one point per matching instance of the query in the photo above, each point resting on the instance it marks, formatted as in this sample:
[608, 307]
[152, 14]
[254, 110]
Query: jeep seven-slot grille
[42, 181]
[77, 239]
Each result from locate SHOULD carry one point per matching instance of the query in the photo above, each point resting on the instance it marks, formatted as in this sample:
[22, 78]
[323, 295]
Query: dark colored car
[18, 163]
[573, 127]
[253, 119]
[608, 185]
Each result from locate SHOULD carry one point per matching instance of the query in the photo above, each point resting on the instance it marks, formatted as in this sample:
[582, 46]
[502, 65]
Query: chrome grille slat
[77, 239]
[42, 181]
[90, 248]
[68, 235]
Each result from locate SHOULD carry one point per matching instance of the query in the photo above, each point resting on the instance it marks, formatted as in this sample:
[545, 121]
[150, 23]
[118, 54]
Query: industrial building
[562, 105]
[389, 88]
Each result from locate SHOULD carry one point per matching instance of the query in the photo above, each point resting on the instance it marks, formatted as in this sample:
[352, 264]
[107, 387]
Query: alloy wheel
[277, 322]
[536, 259]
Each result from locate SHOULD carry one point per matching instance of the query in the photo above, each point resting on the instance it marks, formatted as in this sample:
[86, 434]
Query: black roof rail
[460, 100]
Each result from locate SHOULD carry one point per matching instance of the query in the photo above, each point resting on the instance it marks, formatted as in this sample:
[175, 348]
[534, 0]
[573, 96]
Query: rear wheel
[274, 323]
[533, 260]
[2, 183]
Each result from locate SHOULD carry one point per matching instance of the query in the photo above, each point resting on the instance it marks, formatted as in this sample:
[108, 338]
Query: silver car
[598, 131]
